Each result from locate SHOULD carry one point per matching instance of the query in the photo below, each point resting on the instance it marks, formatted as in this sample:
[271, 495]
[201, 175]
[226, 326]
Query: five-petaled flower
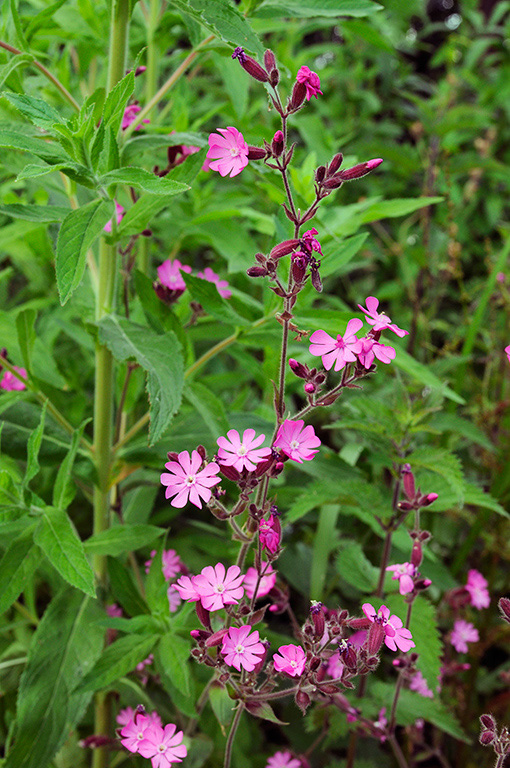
[283, 760]
[220, 284]
[134, 731]
[298, 442]
[242, 454]
[185, 480]
[228, 153]
[290, 659]
[477, 588]
[264, 584]
[242, 648]
[396, 635]
[404, 572]
[163, 745]
[170, 276]
[311, 82]
[10, 382]
[339, 351]
[380, 320]
[217, 587]
[463, 632]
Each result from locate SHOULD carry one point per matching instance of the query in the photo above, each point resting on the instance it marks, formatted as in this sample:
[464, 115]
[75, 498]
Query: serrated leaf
[443, 463]
[312, 8]
[20, 560]
[222, 19]
[353, 566]
[65, 645]
[33, 447]
[36, 110]
[39, 147]
[78, 231]
[160, 356]
[38, 213]
[143, 179]
[479, 498]
[207, 295]
[119, 659]
[122, 538]
[173, 652]
[141, 214]
[62, 546]
[117, 100]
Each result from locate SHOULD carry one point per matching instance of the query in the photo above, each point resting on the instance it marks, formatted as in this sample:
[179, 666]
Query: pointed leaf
[20, 560]
[118, 660]
[122, 538]
[143, 179]
[33, 447]
[37, 111]
[38, 213]
[222, 19]
[64, 488]
[25, 322]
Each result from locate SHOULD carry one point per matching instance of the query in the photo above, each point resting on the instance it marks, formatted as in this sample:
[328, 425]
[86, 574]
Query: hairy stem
[232, 735]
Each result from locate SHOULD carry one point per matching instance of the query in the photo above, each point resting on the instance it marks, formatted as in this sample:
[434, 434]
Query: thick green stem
[104, 375]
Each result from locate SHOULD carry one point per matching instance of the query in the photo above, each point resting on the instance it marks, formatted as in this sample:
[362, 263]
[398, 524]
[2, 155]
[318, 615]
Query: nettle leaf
[312, 8]
[37, 111]
[160, 356]
[20, 560]
[57, 537]
[66, 644]
[222, 19]
[117, 660]
[140, 178]
[353, 566]
[122, 538]
[207, 295]
[39, 213]
[141, 214]
[40, 147]
[79, 230]
[443, 463]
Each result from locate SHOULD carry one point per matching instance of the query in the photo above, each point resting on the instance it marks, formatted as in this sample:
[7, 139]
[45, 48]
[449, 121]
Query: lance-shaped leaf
[64, 488]
[78, 231]
[66, 644]
[140, 215]
[36, 110]
[140, 178]
[39, 147]
[223, 20]
[118, 660]
[25, 323]
[314, 8]
[62, 546]
[19, 561]
[160, 356]
[38, 213]
[122, 538]
[33, 447]
[117, 100]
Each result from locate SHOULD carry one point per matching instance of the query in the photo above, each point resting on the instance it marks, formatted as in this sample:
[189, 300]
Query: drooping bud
[357, 171]
[250, 66]
[256, 153]
[256, 272]
[277, 144]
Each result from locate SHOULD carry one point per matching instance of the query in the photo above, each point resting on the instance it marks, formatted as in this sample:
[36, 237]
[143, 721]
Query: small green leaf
[141, 214]
[62, 546]
[25, 323]
[124, 589]
[122, 538]
[222, 705]
[160, 356]
[344, 252]
[33, 447]
[117, 660]
[143, 179]
[78, 231]
[207, 295]
[116, 102]
[20, 560]
[64, 488]
[263, 710]
[38, 213]
[39, 147]
[312, 8]
[36, 110]
[224, 20]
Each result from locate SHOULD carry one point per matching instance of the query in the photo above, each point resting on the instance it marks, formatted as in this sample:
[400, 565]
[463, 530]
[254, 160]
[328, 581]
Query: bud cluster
[415, 498]
[500, 740]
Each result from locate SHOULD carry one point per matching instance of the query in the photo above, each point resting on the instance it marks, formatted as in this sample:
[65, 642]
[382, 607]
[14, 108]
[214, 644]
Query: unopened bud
[504, 607]
[408, 481]
[269, 60]
[203, 615]
[329, 689]
[256, 153]
[488, 722]
[376, 637]
[298, 96]
[199, 635]
[357, 171]
[231, 473]
[405, 506]
[173, 456]
[428, 499]
[277, 144]
[283, 249]
[256, 272]
[318, 618]
[333, 182]
[487, 737]
[201, 452]
[416, 554]
[320, 173]
[310, 388]
[216, 638]
[335, 163]
[250, 66]
[303, 701]
[422, 584]
[299, 265]
[298, 368]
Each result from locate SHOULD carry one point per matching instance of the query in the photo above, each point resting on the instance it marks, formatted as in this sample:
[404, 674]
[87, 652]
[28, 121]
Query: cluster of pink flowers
[129, 116]
[171, 284]
[10, 383]
[347, 348]
[145, 735]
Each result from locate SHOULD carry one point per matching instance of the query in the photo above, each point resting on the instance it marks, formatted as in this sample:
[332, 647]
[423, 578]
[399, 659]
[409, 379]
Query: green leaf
[160, 356]
[140, 144]
[263, 710]
[143, 179]
[346, 251]
[310, 8]
[39, 213]
[39, 147]
[353, 566]
[122, 538]
[20, 560]
[25, 323]
[476, 497]
[207, 295]
[64, 488]
[141, 214]
[33, 447]
[173, 652]
[411, 706]
[78, 231]
[388, 209]
[19, 60]
[117, 660]
[443, 463]
[116, 102]
[209, 406]
[422, 373]
[325, 541]
[62, 546]
[78, 173]
[37, 111]
[223, 20]
[124, 589]
[66, 644]
[222, 705]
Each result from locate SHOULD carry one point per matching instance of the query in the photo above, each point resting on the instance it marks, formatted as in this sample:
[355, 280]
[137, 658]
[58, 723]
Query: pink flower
[283, 760]
[242, 648]
[185, 482]
[370, 349]
[169, 274]
[381, 723]
[242, 454]
[339, 352]
[129, 116]
[133, 732]
[10, 382]
[217, 587]
[113, 610]
[290, 659]
[212, 277]
[125, 716]
[145, 663]
[266, 583]
[404, 572]
[463, 632]
[507, 350]
[186, 588]
[311, 81]
[335, 666]
[380, 320]
[270, 534]
[119, 214]
[298, 442]
[419, 685]
[310, 242]
[228, 152]
[477, 588]
[396, 636]
[174, 598]
[148, 562]
[163, 745]
[171, 564]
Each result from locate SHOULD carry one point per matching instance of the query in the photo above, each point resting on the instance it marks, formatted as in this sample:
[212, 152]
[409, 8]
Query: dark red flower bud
[335, 163]
[375, 638]
[416, 554]
[504, 607]
[487, 737]
[405, 506]
[203, 615]
[256, 153]
[250, 66]
[310, 388]
[298, 368]
[333, 182]
[283, 249]
[327, 688]
[408, 481]
[349, 658]
[140, 70]
[316, 278]
[173, 456]
[230, 473]
[299, 266]
[202, 452]
[256, 272]
[199, 635]
[320, 173]
[357, 171]
[269, 60]
[428, 499]
[488, 722]
[216, 638]
[318, 618]
[359, 623]
[303, 701]
[277, 144]
[298, 96]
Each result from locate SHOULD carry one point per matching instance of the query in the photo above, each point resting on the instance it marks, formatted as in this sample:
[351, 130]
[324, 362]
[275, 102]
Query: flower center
[340, 343]
[239, 648]
[190, 480]
[293, 664]
[139, 735]
[234, 151]
[294, 445]
[162, 748]
[242, 451]
[219, 588]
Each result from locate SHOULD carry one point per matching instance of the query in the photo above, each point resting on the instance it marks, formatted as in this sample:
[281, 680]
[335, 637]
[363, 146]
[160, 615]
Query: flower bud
[488, 722]
[328, 688]
[269, 61]
[487, 737]
[277, 144]
[201, 452]
[319, 622]
[504, 607]
[173, 456]
[303, 701]
[416, 554]
[376, 637]
[250, 66]
[422, 584]
[298, 96]
[408, 481]
[310, 388]
[256, 272]
[333, 182]
[405, 506]
[315, 277]
[298, 368]
[203, 615]
[335, 163]
[428, 499]
[357, 171]
[256, 153]
[230, 473]
[216, 638]
[283, 249]
[320, 173]
[299, 266]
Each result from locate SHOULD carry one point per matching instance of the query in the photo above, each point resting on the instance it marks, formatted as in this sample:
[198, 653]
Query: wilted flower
[311, 82]
[228, 153]
[186, 482]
